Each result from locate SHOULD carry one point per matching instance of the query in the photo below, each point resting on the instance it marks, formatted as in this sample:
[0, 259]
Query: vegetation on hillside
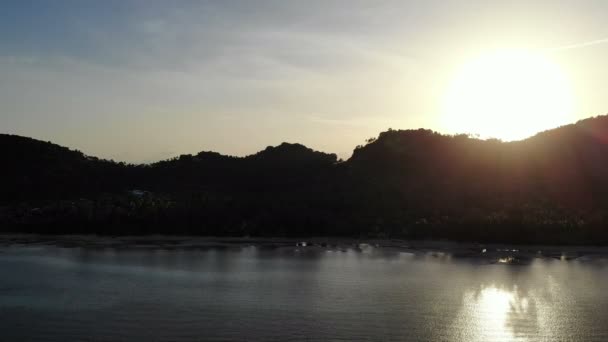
[550, 188]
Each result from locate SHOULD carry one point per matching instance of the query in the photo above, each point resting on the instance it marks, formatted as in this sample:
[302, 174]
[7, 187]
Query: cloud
[581, 45]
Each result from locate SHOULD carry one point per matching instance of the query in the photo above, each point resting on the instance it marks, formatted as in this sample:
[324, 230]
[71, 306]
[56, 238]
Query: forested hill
[550, 188]
[33, 170]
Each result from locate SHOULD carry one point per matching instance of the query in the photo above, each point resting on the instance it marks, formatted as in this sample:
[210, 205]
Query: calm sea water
[48, 293]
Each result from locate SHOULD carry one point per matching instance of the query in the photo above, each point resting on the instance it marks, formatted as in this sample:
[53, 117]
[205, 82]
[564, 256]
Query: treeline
[550, 188]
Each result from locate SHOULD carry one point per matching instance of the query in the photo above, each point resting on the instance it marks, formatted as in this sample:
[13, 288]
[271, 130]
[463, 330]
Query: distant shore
[490, 253]
[410, 184]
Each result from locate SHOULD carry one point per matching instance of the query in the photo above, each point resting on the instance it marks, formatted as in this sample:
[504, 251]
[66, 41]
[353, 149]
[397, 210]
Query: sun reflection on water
[493, 313]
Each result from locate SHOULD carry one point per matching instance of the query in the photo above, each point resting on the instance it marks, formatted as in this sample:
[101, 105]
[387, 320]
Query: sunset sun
[508, 95]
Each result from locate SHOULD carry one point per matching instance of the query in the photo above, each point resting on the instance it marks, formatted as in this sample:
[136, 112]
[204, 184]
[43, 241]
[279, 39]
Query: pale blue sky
[147, 80]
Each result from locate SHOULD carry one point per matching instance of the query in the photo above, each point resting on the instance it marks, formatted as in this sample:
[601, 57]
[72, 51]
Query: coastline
[490, 253]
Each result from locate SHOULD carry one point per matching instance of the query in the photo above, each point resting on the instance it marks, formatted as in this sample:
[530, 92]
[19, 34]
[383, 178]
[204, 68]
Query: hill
[36, 170]
[549, 188]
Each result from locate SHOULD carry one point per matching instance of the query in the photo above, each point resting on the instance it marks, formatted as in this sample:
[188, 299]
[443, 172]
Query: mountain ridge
[403, 183]
[588, 124]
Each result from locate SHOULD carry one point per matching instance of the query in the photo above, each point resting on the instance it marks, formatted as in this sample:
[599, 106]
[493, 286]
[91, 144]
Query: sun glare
[508, 95]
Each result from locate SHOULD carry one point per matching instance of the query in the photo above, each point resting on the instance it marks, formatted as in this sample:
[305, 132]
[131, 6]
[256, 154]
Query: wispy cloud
[581, 45]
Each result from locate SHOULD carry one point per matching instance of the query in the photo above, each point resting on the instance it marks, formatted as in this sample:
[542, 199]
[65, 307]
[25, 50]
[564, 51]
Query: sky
[141, 81]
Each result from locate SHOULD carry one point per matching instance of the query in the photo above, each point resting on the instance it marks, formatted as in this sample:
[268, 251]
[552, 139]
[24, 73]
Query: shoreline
[493, 253]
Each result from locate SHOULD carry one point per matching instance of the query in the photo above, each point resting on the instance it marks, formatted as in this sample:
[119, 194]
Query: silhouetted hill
[33, 170]
[565, 165]
[549, 188]
[292, 155]
[272, 167]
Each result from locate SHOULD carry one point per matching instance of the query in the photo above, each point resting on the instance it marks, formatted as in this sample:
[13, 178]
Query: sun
[509, 95]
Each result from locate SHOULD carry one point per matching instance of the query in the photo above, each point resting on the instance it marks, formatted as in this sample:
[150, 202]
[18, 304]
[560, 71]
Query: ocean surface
[249, 293]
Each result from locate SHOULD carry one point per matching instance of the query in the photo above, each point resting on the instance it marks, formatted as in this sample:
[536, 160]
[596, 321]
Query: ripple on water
[57, 294]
